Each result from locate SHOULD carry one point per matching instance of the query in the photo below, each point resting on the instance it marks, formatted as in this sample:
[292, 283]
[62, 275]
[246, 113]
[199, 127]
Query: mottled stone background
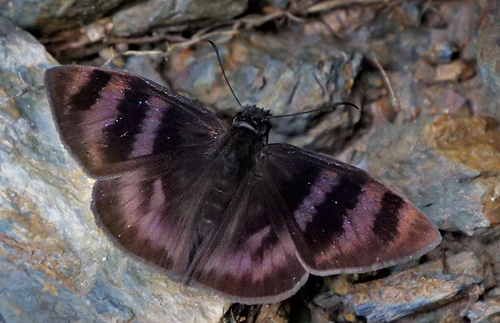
[425, 74]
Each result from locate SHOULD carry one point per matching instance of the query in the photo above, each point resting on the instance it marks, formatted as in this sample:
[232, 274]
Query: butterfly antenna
[223, 72]
[328, 109]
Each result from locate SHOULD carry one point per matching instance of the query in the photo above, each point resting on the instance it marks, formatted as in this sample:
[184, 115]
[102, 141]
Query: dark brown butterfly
[219, 206]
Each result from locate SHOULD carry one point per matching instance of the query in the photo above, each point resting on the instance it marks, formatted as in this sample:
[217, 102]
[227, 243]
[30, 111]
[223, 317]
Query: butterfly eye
[236, 119]
[265, 129]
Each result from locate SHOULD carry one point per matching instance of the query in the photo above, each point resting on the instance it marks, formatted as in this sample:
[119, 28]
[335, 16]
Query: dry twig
[334, 4]
[26, 88]
[229, 28]
[393, 99]
[134, 52]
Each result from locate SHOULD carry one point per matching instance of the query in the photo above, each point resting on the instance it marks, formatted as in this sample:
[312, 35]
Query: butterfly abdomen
[231, 162]
[230, 165]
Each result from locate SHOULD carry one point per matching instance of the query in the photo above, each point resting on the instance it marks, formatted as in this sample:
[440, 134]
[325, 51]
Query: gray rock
[55, 15]
[446, 165]
[264, 71]
[453, 311]
[49, 16]
[484, 311]
[400, 294]
[142, 16]
[56, 265]
[488, 51]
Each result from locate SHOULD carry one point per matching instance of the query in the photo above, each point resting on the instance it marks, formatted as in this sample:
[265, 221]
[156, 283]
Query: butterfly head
[255, 119]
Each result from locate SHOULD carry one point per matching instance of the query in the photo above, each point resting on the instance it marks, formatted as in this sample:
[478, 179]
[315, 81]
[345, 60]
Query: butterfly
[218, 206]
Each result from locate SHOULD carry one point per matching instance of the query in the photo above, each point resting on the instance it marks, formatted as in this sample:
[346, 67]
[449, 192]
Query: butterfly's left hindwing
[252, 258]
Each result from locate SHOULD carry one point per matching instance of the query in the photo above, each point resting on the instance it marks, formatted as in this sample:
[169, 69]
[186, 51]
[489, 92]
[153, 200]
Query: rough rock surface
[128, 18]
[424, 74]
[390, 298]
[56, 265]
[142, 16]
[448, 166]
[54, 15]
[488, 56]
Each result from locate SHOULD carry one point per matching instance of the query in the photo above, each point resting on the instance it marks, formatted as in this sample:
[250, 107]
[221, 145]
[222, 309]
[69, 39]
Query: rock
[390, 298]
[447, 165]
[55, 263]
[488, 51]
[136, 18]
[140, 17]
[263, 71]
[54, 15]
[272, 313]
[453, 311]
[485, 310]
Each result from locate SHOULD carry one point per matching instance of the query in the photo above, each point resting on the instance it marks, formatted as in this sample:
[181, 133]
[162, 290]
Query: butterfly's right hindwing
[152, 211]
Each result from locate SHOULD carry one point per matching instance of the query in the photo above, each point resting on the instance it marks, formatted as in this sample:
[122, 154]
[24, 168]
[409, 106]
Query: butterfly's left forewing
[340, 219]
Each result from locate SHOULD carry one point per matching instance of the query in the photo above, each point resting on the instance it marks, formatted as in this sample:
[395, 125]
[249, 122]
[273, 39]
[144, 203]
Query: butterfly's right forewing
[114, 121]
